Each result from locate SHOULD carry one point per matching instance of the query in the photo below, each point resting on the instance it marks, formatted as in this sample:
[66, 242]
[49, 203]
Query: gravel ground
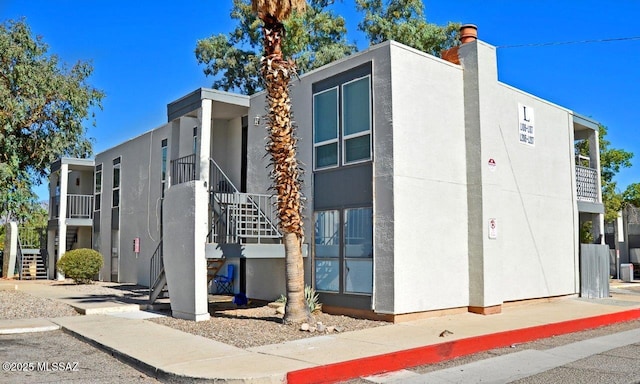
[259, 325]
[246, 327]
[20, 305]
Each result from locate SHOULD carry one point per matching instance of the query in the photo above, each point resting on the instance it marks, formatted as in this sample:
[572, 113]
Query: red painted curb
[429, 354]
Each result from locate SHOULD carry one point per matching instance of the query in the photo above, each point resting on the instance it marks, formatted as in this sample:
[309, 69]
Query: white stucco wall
[429, 183]
[186, 224]
[531, 193]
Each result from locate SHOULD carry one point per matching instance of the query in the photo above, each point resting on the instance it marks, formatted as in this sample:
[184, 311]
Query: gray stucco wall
[140, 191]
[427, 206]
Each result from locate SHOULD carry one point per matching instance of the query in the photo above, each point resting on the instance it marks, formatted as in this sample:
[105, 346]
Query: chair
[224, 283]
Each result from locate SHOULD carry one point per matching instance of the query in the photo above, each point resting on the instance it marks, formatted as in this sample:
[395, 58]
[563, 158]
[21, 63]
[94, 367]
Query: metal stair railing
[30, 238]
[156, 269]
[237, 214]
[183, 169]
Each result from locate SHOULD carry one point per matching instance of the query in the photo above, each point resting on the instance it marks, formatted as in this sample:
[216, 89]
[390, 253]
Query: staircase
[239, 217]
[157, 276]
[33, 265]
[213, 267]
[32, 255]
[71, 238]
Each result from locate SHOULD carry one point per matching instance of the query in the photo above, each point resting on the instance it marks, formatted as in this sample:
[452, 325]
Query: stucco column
[204, 147]
[62, 216]
[51, 254]
[485, 265]
[10, 249]
[185, 219]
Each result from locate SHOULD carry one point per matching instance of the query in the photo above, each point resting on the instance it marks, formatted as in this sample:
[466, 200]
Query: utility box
[626, 272]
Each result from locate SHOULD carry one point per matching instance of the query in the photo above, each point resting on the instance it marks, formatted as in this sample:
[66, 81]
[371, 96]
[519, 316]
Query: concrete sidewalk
[173, 354]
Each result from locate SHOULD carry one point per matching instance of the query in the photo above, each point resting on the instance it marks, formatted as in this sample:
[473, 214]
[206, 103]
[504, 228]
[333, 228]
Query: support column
[594, 154]
[62, 216]
[51, 253]
[204, 147]
[185, 232]
[10, 249]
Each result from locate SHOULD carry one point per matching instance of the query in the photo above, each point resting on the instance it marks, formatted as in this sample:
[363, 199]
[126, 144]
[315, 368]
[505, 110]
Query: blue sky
[143, 54]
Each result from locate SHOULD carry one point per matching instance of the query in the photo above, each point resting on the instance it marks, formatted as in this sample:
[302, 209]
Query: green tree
[404, 21]
[43, 106]
[315, 37]
[631, 195]
[611, 160]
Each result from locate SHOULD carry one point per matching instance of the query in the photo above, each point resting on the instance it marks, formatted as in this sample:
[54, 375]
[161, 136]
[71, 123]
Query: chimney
[468, 33]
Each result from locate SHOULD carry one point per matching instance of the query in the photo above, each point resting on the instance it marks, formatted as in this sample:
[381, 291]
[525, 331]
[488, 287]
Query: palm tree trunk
[282, 147]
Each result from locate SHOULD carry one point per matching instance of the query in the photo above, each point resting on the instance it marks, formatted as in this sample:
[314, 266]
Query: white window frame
[336, 140]
[344, 137]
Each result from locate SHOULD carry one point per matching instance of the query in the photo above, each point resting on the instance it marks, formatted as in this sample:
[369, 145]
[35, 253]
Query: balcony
[183, 169]
[78, 207]
[587, 184]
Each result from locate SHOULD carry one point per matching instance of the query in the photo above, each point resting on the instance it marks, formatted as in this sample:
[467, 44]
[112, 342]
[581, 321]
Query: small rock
[330, 329]
[339, 329]
[304, 327]
[280, 310]
[312, 329]
[321, 327]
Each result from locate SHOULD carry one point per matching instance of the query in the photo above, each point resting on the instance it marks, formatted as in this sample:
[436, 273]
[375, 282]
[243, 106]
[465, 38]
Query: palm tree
[276, 73]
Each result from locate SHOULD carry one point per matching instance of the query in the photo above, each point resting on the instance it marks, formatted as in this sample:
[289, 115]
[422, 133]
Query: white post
[10, 249]
[594, 154]
[62, 215]
[204, 140]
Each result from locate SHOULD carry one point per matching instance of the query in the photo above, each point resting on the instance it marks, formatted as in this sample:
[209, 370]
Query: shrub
[310, 296]
[81, 265]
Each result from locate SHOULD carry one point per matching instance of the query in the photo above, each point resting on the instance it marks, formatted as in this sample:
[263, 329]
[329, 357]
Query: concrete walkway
[329, 358]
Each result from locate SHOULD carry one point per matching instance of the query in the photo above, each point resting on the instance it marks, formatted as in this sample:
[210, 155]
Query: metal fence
[594, 271]
[183, 169]
[587, 184]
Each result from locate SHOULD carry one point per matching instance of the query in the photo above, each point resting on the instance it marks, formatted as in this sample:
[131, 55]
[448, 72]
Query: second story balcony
[183, 169]
[587, 184]
[78, 207]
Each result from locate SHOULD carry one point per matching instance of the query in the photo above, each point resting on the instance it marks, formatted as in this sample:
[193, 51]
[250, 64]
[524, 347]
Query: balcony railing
[78, 207]
[587, 184]
[183, 169]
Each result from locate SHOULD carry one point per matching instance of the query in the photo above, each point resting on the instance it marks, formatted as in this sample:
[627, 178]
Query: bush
[81, 265]
[310, 296]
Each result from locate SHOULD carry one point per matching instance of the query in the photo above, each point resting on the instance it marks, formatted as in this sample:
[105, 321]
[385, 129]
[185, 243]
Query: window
[195, 139]
[164, 165]
[343, 250]
[327, 250]
[115, 201]
[325, 125]
[97, 189]
[356, 121]
[358, 250]
[342, 118]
